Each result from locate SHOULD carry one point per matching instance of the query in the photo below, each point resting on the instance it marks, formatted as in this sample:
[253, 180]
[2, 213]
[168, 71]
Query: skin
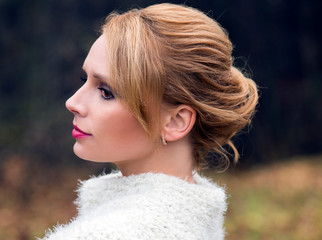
[115, 135]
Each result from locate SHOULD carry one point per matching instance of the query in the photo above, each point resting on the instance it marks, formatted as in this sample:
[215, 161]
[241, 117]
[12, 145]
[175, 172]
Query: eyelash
[106, 94]
[84, 79]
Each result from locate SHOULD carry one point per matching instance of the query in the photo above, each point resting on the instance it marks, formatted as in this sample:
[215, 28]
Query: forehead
[96, 59]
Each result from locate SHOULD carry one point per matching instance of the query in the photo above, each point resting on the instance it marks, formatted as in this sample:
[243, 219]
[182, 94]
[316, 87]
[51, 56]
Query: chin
[79, 152]
[85, 155]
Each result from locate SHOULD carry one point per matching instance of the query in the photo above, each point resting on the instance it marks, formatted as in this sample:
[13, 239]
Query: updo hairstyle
[166, 55]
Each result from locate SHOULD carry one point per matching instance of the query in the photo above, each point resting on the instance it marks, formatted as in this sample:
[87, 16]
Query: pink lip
[77, 133]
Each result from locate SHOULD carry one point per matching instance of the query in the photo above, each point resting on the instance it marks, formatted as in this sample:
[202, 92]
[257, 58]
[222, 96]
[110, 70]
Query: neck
[175, 159]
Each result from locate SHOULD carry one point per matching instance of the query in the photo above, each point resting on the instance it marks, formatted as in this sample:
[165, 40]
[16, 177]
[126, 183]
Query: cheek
[121, 136]
[123, 129]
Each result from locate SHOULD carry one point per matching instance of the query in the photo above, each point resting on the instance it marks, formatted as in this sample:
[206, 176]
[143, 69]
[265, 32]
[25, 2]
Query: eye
[106, 94]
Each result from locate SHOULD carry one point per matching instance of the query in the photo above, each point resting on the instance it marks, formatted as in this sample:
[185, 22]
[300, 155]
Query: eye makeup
[106, 93]
[102, 86]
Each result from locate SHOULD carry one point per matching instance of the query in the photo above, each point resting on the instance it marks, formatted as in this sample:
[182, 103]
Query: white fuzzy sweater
[146, 206]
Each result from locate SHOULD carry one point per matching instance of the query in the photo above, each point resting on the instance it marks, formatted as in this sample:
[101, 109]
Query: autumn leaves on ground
[278, 201]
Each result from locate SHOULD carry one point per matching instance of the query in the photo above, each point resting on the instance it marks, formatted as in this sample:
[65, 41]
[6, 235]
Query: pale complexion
[113, 134]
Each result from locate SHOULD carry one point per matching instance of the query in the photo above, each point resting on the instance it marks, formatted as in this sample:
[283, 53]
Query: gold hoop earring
[164, 142]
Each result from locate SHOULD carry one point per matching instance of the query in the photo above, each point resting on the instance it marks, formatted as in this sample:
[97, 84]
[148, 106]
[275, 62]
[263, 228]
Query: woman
[160, 93]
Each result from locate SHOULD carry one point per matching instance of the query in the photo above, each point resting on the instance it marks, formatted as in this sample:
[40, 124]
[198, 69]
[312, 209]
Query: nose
[75, 105]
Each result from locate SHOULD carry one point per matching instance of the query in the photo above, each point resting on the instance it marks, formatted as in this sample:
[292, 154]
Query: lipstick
[77, 133]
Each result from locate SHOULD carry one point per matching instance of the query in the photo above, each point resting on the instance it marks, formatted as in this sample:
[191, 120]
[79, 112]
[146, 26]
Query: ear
[177, 122]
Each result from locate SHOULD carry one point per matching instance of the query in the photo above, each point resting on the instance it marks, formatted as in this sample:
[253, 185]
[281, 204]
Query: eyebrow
[97, 75]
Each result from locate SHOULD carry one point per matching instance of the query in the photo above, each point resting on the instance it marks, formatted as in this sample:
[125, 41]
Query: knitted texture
[145, 206]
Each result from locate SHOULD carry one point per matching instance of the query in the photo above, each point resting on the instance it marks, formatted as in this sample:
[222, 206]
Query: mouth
[78, 133]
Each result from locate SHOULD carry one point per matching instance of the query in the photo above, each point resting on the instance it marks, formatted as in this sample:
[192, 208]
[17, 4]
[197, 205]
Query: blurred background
[275, 190]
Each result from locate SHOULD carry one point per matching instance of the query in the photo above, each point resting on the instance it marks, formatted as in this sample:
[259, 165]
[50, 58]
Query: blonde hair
[170, 54]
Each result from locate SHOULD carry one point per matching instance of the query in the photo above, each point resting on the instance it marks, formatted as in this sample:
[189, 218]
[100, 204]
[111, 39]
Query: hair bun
[236, 73]
[247, 92]
[239, 79]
